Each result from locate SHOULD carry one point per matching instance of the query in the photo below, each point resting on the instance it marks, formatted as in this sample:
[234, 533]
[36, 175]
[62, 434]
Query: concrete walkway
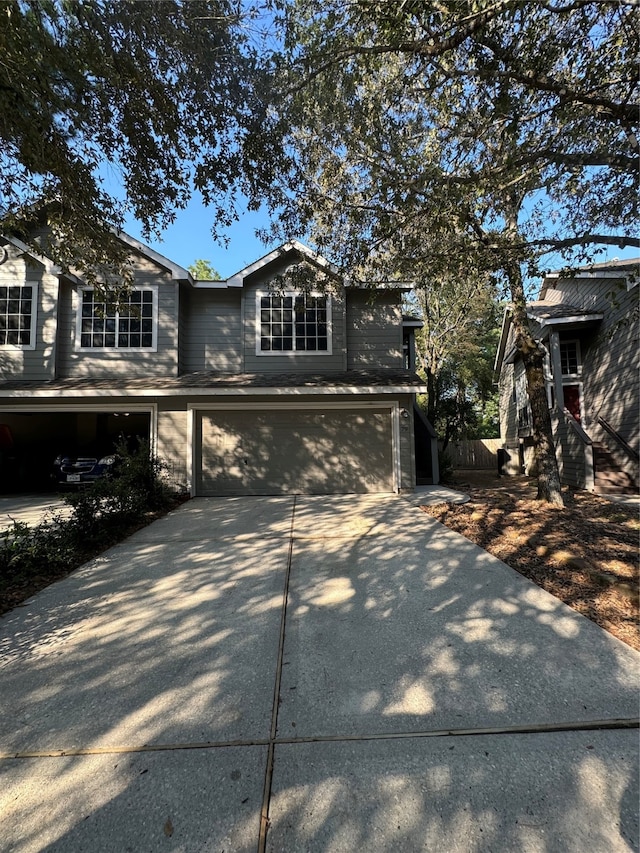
[311, 674]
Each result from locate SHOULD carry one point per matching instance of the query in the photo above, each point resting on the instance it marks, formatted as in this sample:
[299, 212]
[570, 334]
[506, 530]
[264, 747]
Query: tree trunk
[532, 355]
[431, 396]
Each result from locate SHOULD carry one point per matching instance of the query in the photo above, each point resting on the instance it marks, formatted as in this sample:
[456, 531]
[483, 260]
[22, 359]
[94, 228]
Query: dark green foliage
[445, 465]
[27, 551]
[134, 488]
[163, 97]
[202, 270]
[100, 515]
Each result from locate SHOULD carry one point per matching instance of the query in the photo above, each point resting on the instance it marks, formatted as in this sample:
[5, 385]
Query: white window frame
[153, 289]
[577, 375]
[294, 353]
[34, 316]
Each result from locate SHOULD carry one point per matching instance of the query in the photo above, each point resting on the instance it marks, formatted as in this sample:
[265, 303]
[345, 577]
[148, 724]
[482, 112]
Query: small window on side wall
[570, 358]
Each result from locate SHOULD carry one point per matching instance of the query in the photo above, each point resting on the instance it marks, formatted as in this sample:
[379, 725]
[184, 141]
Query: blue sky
[189, 238]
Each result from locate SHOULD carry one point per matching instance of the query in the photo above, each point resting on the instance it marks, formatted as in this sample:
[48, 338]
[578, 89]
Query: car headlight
[107, 460]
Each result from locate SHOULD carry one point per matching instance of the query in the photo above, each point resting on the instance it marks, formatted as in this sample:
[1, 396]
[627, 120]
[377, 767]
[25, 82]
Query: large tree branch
[465, 28]
[609, 107]
[580, 4]
[433, 48]
[615, 161]
[584, 240]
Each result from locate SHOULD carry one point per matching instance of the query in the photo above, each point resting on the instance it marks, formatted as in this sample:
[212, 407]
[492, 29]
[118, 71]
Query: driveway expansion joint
[266, 794]
[613, 724]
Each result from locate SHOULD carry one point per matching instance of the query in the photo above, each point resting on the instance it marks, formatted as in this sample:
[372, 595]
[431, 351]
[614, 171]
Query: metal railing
[606, 426]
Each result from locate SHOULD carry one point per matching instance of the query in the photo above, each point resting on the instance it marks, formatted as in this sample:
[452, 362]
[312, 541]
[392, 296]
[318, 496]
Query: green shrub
[100, 513]
[445, 465]
[134, 488]
[25, 552]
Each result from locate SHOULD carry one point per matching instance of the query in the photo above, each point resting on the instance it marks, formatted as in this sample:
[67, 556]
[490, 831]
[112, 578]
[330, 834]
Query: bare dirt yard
[586, 553]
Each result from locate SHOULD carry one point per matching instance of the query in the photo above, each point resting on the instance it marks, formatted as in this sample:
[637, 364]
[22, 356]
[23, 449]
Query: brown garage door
[270, 452]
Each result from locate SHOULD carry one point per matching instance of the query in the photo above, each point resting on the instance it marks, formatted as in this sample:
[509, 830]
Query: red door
[572, 400]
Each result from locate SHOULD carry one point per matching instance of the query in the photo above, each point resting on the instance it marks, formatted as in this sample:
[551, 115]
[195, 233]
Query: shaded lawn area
[585, 554]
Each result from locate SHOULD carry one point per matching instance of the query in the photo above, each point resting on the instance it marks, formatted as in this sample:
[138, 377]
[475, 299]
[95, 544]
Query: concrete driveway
[30, 509]
[311, 674]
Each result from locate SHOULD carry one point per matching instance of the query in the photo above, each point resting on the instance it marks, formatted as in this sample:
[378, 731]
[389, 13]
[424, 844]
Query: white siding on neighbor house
[374, 329]
[163, 361]
[213, 340]
[37, 362]
[289, 362]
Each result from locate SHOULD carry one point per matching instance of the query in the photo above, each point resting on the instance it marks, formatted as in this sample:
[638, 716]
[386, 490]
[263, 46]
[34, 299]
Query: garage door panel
[305, 452]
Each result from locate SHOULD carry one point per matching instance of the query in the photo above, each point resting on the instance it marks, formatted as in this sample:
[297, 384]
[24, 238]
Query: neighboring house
[588, 325]
[241, 386]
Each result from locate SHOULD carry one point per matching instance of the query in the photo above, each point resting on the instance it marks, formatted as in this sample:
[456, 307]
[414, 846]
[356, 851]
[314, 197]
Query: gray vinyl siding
[66, 326]
[183, 313]
[73, 362]
[213, 340]
[570, 453]
[172, 446]
[608, 380]
[290, 362]
[374, 330]
[507, 405]
[407, 446]
[37, 363]
[508, 414]
[609, 353]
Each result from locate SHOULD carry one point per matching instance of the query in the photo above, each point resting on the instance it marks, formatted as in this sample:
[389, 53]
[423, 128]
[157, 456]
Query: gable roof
[178, 273]
[49, 265]
[291, 247]
[296, 248]
[548, 313]
[628, 269]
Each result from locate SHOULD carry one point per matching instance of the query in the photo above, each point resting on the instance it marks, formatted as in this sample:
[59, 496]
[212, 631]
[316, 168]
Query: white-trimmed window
[132, 325]
[18, 305]
[570, 364]
[293, 323]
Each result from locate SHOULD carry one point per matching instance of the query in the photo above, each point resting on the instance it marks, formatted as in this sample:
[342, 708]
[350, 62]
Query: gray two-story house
[249, 386]
[588, 325]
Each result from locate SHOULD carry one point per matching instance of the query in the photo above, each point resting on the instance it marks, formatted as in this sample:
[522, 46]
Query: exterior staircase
[609, 478]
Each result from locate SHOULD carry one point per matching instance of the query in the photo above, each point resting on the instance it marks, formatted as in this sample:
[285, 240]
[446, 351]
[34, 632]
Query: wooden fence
[479, 453]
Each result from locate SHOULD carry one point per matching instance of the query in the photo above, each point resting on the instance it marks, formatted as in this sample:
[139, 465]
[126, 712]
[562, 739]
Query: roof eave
[178, 273]
[228, 391]
[569, 319]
